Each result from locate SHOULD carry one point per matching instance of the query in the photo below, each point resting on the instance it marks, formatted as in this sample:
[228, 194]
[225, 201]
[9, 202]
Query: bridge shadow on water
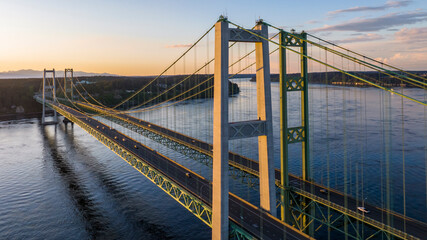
[93, 188]
[116, 192]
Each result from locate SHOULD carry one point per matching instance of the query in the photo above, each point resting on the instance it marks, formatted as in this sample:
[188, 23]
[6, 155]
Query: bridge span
[247, 219]
[323, 195]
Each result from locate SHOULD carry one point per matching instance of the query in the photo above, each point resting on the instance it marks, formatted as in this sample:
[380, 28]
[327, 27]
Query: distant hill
[30, 73]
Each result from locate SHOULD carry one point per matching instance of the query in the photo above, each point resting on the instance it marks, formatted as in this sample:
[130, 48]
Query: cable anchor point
[222, 18]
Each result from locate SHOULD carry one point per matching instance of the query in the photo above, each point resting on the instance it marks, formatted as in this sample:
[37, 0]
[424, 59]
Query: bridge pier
[66, 121]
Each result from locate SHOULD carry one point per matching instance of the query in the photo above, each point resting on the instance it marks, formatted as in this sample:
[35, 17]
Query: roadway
[340, 201]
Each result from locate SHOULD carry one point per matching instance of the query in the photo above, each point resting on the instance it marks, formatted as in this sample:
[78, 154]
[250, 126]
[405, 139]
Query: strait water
[60, 183]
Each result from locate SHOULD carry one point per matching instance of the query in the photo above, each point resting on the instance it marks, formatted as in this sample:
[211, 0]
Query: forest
[16, 95]
[338, 78]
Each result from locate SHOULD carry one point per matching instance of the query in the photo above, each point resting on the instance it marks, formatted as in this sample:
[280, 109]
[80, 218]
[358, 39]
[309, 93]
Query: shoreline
[20, 116]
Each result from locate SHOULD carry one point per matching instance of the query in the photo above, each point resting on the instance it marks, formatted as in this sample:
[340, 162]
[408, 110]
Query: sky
[143, 37]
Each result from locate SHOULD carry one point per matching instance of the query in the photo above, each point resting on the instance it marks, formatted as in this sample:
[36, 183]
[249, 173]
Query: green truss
[251, 179]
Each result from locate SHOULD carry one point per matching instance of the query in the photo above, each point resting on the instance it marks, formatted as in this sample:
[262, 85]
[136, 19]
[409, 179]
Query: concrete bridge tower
[49, 91]
[225, 131]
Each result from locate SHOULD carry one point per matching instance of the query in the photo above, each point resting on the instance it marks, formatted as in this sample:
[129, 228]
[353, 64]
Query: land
[338, 78]
[16, 95]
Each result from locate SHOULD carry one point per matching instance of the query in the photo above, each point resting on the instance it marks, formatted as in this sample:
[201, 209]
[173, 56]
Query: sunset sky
[143, 37]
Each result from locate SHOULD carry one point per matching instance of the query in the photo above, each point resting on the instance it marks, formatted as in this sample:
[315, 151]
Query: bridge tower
[291, 135]
[69, 78]
[225, 131]
[50, 91]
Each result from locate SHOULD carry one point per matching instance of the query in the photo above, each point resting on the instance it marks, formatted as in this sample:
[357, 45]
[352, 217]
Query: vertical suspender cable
[403, 161]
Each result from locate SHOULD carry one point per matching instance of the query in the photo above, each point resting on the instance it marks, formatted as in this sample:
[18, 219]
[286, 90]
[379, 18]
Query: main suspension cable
[333, 67]
[356, 53]
[164, 71]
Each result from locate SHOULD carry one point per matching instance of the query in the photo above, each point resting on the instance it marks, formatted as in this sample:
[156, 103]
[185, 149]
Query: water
[60, 183]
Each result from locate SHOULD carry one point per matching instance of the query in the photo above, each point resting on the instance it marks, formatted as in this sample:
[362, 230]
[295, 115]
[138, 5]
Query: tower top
[222, 18]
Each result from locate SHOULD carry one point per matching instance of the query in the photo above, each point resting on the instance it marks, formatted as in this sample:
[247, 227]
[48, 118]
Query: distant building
[85, 82]
[20, 109]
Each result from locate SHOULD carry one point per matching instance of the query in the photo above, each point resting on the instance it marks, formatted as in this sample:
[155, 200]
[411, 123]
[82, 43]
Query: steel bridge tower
[299, 134]
[225, 131]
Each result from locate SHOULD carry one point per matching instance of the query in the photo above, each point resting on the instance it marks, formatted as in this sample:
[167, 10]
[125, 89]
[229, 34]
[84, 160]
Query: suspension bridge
[222, 134]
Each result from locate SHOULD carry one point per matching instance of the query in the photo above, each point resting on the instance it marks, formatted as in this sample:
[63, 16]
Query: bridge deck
[312, 190]
[247, 216]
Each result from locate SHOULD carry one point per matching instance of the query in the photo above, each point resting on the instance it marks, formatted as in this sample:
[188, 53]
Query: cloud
[387, 5]
[361, 38]
[411, 35]
[408, 59]
[376, 24]
[179, 46]
[313, 22]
